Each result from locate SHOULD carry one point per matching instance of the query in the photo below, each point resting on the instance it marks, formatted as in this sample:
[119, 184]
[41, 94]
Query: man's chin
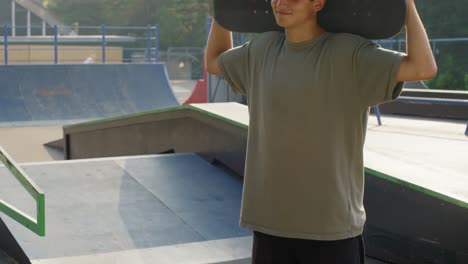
[281, 23]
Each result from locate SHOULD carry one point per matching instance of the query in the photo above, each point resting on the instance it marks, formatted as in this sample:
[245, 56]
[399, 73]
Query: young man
[309, 93]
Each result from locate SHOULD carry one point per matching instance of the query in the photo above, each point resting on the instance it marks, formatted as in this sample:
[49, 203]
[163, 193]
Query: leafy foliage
[182, 22]
[448, 19]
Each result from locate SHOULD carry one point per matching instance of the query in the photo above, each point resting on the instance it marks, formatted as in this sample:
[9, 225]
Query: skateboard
[372, 19]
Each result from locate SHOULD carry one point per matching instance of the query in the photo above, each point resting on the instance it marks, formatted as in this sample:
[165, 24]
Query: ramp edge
[418, 188]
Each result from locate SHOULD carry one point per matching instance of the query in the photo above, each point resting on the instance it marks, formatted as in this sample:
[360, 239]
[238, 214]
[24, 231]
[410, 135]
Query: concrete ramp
[174, 208]
[61, 93]
[147, 209]
[224, 251]
[216, 133]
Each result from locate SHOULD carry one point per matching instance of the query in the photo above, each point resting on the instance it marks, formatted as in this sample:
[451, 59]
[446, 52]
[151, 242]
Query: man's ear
[319, 4]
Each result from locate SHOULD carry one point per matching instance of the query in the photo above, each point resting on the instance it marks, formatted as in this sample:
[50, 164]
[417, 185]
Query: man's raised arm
[420, 63]
[219, 41]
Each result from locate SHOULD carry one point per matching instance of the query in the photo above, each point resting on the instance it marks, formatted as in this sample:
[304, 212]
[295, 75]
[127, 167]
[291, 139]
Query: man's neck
[303, 33]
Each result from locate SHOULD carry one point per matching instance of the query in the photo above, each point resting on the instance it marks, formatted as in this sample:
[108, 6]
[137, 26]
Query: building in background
[28, 14]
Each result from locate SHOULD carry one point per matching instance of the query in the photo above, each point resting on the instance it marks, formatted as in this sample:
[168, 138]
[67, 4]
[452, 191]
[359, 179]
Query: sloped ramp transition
[60, 93]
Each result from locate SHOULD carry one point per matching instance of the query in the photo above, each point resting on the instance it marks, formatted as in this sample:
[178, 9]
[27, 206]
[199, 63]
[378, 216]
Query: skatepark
[140, 182]
[118, 163]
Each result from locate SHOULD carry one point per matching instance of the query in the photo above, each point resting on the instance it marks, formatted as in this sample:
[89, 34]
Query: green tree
[83, 12]
[450, 77]
[182, 22]
[448, 19]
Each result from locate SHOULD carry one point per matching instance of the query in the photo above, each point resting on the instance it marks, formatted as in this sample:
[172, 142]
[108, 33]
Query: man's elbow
[212, 67]
[209, 68]
[428, 73]
[417, 71]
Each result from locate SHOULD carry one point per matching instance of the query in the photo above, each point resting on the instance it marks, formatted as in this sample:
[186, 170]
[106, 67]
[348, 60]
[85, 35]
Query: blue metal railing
[377, 114]
[55, 44]
[149, 44]
[409, 99]
[156, 42]
[104, 43]
[5, 43]
[137, 44]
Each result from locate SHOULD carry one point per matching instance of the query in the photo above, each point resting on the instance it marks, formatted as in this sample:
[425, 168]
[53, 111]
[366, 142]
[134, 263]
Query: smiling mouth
[283, 13]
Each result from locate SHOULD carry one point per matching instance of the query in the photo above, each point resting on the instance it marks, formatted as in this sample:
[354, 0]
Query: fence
[114, 44]
[451, 55]
[94, 44]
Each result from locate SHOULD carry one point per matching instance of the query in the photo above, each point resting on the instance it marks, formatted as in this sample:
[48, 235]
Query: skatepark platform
[64, 94]
[161, 205]
[180, 129]
[174, 208]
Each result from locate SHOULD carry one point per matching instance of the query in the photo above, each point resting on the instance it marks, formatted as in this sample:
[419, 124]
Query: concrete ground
[26, 144]
[135, 209]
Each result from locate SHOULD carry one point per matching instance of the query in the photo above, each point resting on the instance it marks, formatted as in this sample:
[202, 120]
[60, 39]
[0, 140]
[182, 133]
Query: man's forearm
[418, 48]
[219, 41]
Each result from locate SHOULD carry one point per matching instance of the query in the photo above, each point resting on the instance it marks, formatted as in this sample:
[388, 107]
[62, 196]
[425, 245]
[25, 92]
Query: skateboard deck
[372, 19]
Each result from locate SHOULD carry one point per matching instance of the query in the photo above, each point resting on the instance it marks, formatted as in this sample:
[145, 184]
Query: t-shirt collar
[307, 43]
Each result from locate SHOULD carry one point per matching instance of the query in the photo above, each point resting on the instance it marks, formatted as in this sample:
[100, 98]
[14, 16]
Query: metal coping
[38, 225]
[230, 121]
[458, 92]
[432, 100]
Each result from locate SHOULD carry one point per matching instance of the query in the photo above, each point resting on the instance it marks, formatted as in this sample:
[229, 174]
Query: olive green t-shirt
[308, 105]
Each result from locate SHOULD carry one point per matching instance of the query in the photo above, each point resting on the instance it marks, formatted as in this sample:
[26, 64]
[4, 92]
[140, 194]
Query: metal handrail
[35, 225]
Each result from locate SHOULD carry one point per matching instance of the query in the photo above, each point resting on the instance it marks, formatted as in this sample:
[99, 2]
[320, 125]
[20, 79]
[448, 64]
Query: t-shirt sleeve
[234, 65]
[376, 71]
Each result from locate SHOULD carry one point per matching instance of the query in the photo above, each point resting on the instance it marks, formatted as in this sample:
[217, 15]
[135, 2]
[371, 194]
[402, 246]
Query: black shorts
[269, 249]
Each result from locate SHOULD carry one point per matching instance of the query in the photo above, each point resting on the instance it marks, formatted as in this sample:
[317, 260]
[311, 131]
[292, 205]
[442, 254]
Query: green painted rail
[38, 225]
